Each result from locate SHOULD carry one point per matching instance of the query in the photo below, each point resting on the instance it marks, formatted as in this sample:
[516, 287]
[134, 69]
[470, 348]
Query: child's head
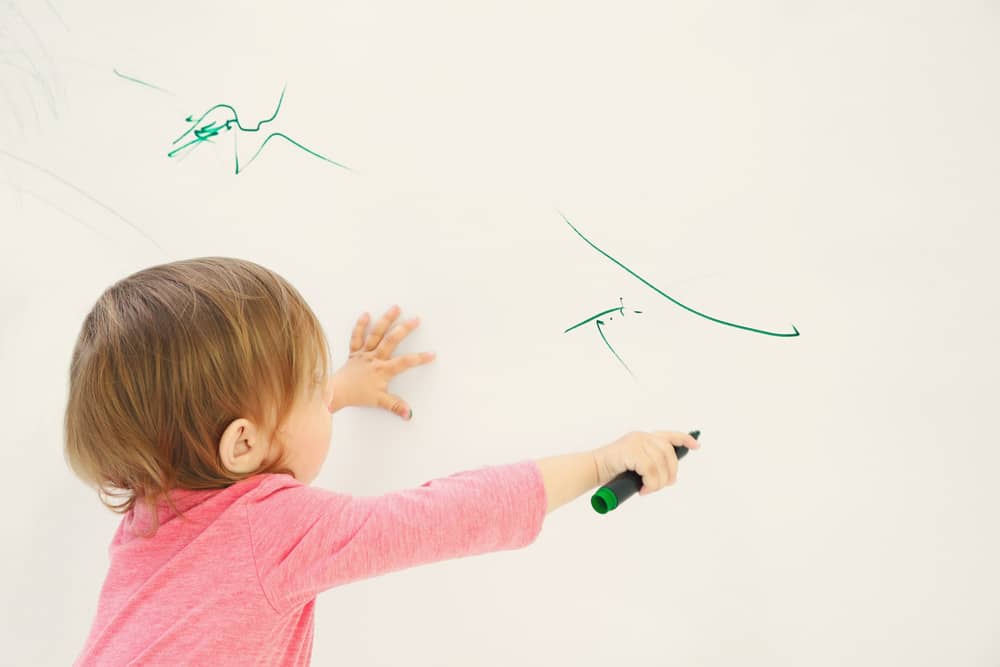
[197, 374]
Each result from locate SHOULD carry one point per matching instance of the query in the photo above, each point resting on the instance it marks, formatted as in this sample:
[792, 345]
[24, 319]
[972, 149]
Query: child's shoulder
[267, 485]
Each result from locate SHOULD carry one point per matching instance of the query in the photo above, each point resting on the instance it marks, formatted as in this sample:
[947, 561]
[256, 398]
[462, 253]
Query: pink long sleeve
[307, 540]
[235, 582]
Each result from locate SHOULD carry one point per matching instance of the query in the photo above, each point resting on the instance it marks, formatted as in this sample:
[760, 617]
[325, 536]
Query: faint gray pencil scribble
[27, 67]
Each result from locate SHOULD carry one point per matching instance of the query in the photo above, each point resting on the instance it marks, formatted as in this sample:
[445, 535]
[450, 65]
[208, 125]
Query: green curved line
[654, 288]
[589, 319]
[290, 140]
[139, 81]
[197, 143]
[613, 349]
[621, 309]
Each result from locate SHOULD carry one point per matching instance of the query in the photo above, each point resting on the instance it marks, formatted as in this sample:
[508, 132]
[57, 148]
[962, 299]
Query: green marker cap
[604, 500]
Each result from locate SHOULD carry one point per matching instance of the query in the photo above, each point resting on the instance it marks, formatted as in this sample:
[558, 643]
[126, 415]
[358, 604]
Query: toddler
[200, 399]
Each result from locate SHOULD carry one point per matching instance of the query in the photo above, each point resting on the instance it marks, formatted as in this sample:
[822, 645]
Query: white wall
[832, 167]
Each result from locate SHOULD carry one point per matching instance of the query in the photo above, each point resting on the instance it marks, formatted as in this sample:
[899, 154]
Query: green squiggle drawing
[212, 129]
[654, 288]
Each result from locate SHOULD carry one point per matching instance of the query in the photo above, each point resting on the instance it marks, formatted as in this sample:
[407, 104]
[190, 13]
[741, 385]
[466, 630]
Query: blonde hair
[167, 358]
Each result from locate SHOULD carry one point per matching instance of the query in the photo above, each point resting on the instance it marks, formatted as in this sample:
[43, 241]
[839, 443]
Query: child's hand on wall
[363, 380]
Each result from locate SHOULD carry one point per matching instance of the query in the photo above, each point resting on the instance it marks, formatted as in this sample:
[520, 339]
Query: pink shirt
[236, 585]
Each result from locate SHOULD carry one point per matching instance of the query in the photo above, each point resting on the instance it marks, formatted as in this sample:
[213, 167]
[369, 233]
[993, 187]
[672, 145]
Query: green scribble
[210, 130]
[621, 309]
[141, 82]
[654, 288]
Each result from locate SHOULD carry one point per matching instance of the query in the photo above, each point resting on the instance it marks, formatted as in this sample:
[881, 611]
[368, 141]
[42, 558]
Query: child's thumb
[396, 405]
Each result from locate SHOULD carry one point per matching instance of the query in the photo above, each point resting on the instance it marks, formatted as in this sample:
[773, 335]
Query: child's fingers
[666, 461]
[658, 466]
[649, 466]
[358, 334]
[670, 460]
[678, 439]
[399, 332]
[395, 404]
[375, 337]
[407, 361]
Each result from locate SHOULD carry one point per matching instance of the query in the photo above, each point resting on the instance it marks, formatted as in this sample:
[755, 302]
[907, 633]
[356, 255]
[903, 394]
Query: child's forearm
[568, 476]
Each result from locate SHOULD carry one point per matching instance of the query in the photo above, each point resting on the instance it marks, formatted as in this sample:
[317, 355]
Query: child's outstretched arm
[305, 540]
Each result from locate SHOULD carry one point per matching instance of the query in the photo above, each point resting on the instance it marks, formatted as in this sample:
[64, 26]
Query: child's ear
[241, 448]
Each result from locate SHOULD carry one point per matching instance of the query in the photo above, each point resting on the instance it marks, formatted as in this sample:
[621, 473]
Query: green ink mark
[208, 131]
[139, 81]
[654, 288]
[620, 308]
[599, 323]
[290, 140]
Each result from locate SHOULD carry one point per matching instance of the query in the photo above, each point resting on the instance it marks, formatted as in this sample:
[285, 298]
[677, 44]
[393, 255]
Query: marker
[618, 490]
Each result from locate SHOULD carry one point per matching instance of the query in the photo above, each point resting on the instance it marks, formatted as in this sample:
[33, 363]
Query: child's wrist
[341, 393]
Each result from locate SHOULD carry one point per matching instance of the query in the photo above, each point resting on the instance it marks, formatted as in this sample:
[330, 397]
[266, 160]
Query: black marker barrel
[625, 485]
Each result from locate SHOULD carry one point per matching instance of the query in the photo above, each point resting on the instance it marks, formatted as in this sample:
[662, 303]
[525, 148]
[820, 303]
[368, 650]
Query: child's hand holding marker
[638, 461]
[363, 380]
[651, 454]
